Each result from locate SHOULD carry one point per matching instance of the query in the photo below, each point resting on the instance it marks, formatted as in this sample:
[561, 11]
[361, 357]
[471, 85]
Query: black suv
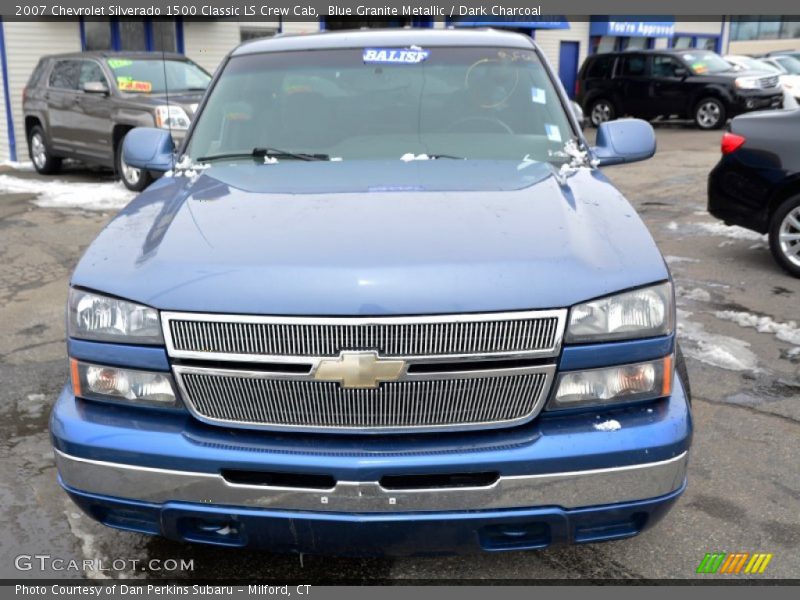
[684, 83]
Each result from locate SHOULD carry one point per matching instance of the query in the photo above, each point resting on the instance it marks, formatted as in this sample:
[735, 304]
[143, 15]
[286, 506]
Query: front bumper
[756, 100]
[559, 479]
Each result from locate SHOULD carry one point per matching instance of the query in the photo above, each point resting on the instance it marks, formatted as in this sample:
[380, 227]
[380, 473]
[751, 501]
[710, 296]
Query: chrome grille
[456, 400]
[252, 338]
[769, 82]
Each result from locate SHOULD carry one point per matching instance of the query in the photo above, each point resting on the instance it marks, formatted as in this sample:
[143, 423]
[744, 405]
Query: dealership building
[566, 41]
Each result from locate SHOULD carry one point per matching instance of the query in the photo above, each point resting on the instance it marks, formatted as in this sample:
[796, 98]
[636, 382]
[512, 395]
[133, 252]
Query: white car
[787, 67]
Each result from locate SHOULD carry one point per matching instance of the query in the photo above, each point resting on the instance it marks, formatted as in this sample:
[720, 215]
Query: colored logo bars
[734, 563]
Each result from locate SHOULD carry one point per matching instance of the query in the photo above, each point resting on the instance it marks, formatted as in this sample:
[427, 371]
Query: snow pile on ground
[713, 349]
[610, 425]
[17, 166]
[697, 294]
[57, 193]
[786, 332]
[672, 260]
[731, 231]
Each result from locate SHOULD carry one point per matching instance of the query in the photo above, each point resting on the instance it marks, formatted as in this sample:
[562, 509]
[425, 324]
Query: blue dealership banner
[541, 22]
[633, 26]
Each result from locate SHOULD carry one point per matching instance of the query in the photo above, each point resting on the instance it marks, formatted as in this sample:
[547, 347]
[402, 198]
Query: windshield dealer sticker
[126, 84]
[537, 95]
[118, 63]
[395, 56]
[553, 133]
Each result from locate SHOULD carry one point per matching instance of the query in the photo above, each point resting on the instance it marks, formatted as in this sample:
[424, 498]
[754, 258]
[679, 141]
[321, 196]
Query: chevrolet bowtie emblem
[359, 369]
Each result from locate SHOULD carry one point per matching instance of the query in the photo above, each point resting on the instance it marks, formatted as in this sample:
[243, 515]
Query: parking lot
[739, 324]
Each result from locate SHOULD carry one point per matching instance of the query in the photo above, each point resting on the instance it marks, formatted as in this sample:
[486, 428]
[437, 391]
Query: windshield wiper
[438, 156]
[266, 153]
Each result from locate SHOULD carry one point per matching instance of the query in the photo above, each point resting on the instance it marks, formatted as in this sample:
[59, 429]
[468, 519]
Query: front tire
[709, 113]
[784, 235]
[601, 111]
[39, 151]
[134, 179]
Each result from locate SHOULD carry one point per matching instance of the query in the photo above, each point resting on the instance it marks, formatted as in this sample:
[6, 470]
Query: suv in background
[686, 83]
[81, 106]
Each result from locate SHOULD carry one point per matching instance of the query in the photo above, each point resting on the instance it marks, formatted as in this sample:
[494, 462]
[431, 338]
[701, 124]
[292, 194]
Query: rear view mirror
[578, 112]
[95, 87]
[149, 148]
[624, 141]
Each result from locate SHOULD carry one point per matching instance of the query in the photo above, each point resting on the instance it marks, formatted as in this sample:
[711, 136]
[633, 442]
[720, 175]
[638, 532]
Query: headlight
[747, 83]
[646, 312]
[613, 385]
[171, 117]
[99, 382]
[95, 317]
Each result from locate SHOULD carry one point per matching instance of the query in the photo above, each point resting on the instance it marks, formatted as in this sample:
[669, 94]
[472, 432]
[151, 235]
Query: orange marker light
[666, 387]
[76, 379]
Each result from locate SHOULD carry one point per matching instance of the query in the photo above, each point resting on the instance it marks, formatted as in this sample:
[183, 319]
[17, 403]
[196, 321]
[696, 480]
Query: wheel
[133, 179]
[43, 160]
[709, 114]
[682, 372]
[602, 110]
[784, 235]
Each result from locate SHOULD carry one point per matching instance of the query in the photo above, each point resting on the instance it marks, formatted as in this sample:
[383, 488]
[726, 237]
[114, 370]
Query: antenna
[166, 82]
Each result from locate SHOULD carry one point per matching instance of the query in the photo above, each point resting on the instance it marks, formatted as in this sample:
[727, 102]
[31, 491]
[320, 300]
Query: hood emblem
[359, 369]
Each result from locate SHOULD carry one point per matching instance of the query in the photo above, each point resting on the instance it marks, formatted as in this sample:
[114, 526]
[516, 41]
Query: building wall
[300, 26]
[26, 42]
[208, 42]
[762, 46]
[4, 149]
[549, 40]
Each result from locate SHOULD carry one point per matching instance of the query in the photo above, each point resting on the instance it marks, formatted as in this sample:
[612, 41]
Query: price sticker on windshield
[395, 56]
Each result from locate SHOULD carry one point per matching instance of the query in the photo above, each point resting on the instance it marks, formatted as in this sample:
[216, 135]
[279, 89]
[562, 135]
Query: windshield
[148, 75]
[790, 65]
[385, 103]
[702, 63]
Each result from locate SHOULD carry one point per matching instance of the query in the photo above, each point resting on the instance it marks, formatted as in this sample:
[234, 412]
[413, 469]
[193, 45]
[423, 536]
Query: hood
[372, 238]
[186, 100]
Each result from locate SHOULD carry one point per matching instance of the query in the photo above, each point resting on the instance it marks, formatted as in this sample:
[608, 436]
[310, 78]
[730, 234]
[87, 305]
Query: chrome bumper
[568, 490]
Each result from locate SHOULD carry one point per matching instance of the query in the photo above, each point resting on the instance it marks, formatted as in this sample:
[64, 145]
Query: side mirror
[149, 148]
[680, 72]
[578, 112]
[624, 141]
[95, 87]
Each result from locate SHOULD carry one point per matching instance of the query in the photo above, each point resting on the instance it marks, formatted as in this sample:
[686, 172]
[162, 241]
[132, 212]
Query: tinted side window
[634, 65]
[91, 71]
[601, 67]
[65, 74]
[665, 66]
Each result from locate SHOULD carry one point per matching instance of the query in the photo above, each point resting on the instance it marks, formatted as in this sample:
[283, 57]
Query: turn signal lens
[99, 382]
[613, 385]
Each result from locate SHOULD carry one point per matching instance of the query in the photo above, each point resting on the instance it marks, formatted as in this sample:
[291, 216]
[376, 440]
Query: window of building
[634, 43]
[96, 35]
[604, 43]
[764, 28]
[115, 34]
[682, 41]
[252, 33]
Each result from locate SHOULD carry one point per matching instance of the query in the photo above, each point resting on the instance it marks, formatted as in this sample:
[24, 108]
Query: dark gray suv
[82, 105]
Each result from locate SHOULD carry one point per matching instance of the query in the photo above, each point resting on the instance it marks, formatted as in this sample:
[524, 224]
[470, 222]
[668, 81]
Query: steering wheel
[486, 119]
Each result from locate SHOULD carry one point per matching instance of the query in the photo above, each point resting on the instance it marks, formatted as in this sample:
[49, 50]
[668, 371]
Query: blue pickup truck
[381, 301]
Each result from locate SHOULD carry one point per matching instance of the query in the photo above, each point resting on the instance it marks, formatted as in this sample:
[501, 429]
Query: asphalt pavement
[739, 324]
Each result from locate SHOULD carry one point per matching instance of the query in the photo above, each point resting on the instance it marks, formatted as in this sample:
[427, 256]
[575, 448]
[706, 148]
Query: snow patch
[697, 294]
[730, 231]
[17, 166]
[672, 260]
[610, 425]
[713, 349]
[672, 226]
[786, 332]
[33, 406]
[57, 193]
